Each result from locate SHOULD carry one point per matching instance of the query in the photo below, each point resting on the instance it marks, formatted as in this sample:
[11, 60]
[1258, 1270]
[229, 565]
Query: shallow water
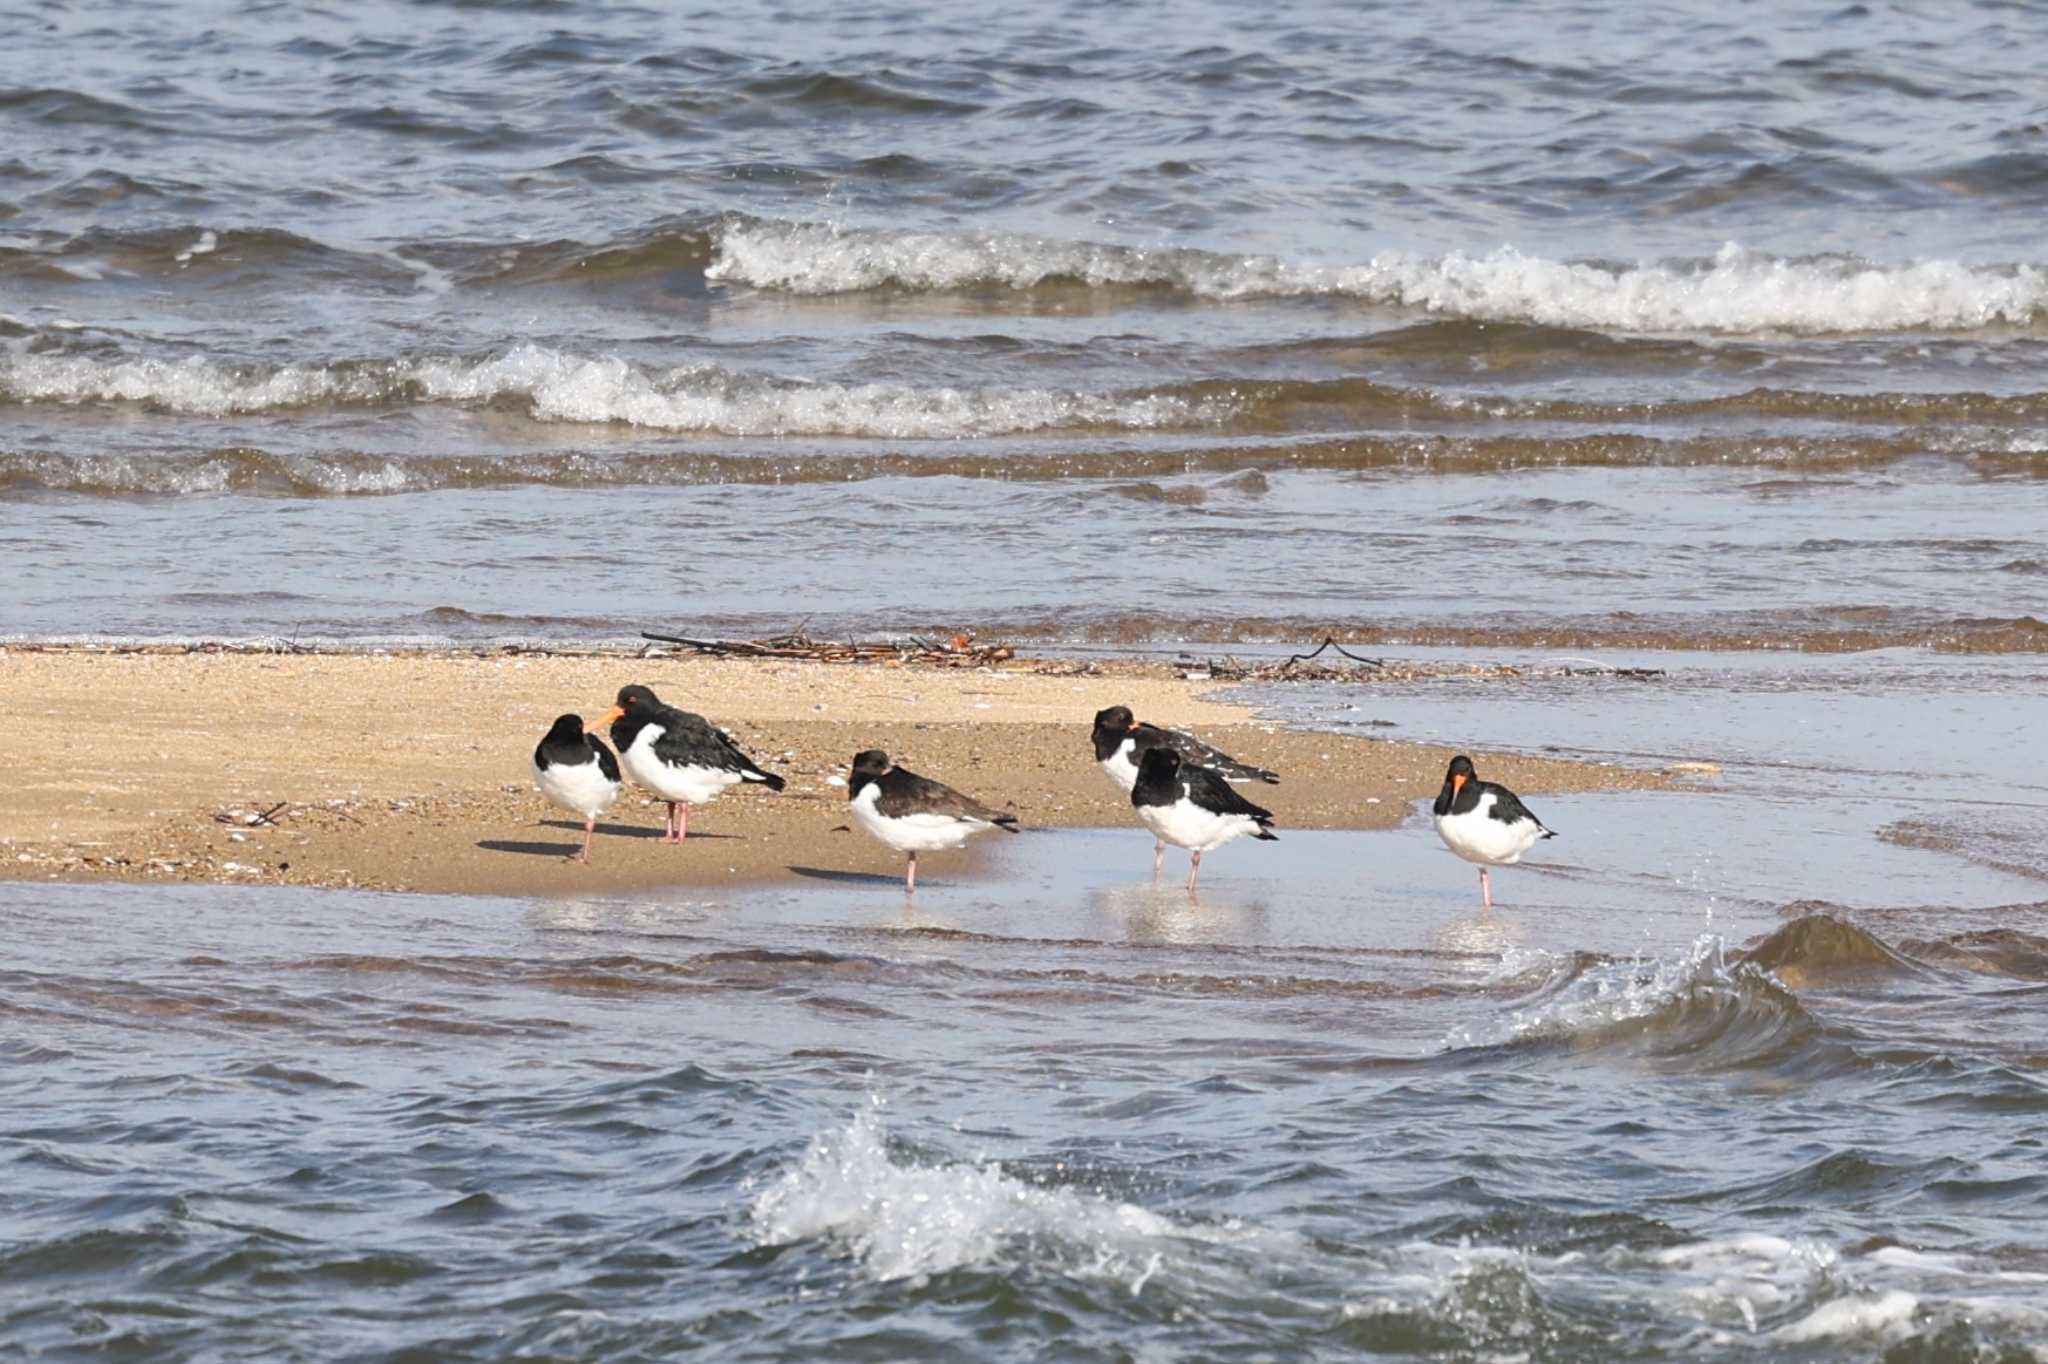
[1060, 1111]
[1327, 1108]
[1193, 325]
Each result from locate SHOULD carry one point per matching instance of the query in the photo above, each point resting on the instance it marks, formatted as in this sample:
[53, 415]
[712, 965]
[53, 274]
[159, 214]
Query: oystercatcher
[1484, 822]
[681, 757]
[1192, 807]
[1121, 740]
[577, 772]
[914, 814]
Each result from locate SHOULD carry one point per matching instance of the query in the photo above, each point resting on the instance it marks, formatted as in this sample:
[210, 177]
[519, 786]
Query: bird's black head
[871, 765]
[637, 697]
[1456, 778]
[1114, 720]
[637, 705]
[567, 729]
[1111, 728]
[1159, 764]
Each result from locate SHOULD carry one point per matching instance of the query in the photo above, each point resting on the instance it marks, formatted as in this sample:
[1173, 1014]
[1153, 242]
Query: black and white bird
[1484, 822]
[577, 772]
[1122, 740]
[680, 756]
[1192, 807]
[914, 814]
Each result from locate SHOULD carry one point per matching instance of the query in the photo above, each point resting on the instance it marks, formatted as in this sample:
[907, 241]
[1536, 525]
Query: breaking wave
[1734, 291]
[555, 386]
[898, 1218]
[1696, 1008]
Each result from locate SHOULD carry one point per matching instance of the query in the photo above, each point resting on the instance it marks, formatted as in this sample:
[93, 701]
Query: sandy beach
[411, 771]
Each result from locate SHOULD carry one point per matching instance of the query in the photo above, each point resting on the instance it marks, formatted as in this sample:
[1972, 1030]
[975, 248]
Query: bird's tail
[768, 779]
[1007, 823]
[1266, 832]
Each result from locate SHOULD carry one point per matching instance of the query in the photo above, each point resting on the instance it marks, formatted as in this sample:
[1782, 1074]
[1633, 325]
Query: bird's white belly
[1477, 836]
[1187, 825]
[582, 787]
[1121, 769]
[695, 785]
[914, 833]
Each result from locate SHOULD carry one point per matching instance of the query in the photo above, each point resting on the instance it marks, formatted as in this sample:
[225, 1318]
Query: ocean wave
[899, 1218]
[257, 256]
[1819, 947]
[1751, 1286]
[1734, 291]
[1695, 1007]
[1133, 472]
[557, 386]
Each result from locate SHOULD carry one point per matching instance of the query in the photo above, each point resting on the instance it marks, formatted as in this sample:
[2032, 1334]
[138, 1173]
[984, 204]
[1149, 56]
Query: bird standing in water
[1484, 822]
[914, 814]
[1192, 807]
[1122, 740]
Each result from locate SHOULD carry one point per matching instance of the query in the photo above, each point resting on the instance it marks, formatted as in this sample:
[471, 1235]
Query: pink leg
[1485, 889]
[1158, 858]
[682, 821]
[1194, 870]
[910, 875]
[589, 828]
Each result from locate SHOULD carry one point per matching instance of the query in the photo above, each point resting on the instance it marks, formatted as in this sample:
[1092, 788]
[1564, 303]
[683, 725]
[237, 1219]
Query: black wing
[1508, 808]
[1209, 790]
[1195, 751]
[606, 763]
[689, 740]
[906, 793]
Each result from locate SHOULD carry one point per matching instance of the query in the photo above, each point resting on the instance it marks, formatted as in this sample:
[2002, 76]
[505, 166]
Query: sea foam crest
[1737, 290]
[1614, 995]
[565, 387]
[900, 1220]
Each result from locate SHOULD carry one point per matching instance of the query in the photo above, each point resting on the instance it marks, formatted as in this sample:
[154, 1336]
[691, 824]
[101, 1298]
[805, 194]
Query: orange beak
[604, 721]
[1457, 785]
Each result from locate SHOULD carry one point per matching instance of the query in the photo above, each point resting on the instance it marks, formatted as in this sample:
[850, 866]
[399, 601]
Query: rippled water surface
[1522, 325]
[513, 319]
[1748, 1070]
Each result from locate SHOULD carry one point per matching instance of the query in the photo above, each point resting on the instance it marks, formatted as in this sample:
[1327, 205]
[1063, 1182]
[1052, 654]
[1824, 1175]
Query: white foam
[900, 1220]
[1887, 1313]
[207, 244]
[1737, 290]
[580, 389]
[564, 387]
[1609, 994]
[191, 386]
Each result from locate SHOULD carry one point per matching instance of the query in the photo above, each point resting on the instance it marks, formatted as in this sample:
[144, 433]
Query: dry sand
[412, 771]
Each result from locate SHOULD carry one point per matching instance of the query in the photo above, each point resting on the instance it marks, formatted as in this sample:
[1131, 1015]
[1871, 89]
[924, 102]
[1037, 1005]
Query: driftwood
[958, 652]
[1305, 668]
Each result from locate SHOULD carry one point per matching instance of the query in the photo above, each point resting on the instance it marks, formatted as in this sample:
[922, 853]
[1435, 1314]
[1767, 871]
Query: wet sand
[411, 771]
